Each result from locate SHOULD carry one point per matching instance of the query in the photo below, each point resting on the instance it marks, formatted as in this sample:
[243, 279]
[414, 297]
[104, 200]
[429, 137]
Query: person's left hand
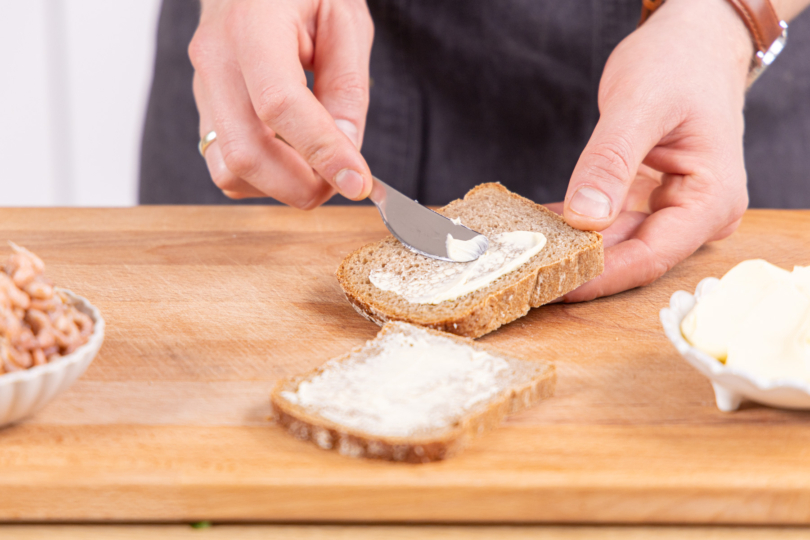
[663, 172]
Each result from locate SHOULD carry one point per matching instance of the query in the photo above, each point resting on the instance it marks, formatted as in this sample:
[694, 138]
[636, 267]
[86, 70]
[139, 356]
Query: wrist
[717, 24]
[787, 10]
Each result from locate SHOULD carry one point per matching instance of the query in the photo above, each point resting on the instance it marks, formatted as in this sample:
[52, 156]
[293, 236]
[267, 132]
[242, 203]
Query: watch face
[763, 59]
[776, 47]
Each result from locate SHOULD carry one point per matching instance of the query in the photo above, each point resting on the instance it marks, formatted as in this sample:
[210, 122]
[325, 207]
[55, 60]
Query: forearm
[789, 9]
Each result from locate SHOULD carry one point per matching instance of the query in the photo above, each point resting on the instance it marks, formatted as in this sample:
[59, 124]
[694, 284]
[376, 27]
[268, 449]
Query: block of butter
[757, 320]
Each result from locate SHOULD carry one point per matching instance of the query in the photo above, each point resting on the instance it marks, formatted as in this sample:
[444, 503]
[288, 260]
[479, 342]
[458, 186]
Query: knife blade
[424, 231]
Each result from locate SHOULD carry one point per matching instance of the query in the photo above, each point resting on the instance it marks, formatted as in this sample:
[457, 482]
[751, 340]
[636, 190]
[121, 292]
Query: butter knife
[424, 231]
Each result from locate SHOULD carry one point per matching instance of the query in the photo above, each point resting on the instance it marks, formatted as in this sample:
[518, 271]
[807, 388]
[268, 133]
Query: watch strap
[761, 20]
[647, 9]
[758, 15]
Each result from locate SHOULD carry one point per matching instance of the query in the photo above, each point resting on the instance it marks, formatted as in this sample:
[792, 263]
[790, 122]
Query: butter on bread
[569, 259]
[411, 394]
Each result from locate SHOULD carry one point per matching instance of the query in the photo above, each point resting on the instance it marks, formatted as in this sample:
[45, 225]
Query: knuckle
[233, 195]
[309, 205]
[307, 201]
[739, 207]
[606, 85]
[654, 265]
[358, 15]
[320, 153]
[726, 231]
[659, 268]
[224, 180]
[369, 24]
[742, 200]
[365, 22]
[242, 162]
[199, 48]
[722, 188]
[300, 196]
[654, 270]
[237, 17]
[611, 161]
[274, 102]
[315, 197]
[351, 88]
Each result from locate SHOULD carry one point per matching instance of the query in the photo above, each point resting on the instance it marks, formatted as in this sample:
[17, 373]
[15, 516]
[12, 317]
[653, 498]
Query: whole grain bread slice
[570, 258]
[516, 387]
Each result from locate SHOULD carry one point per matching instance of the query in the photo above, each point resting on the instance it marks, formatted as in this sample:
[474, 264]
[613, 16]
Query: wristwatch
[768, 32]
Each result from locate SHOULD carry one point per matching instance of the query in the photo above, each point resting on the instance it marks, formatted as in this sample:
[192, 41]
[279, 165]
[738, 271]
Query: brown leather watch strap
[758, 15]
[761, 20]
[647, 9]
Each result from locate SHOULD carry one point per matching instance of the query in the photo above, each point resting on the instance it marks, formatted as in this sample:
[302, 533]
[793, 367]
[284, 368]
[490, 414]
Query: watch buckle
[766, 58]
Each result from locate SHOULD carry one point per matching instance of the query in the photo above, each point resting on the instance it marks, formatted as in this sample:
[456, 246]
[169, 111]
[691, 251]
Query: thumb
[607, 167]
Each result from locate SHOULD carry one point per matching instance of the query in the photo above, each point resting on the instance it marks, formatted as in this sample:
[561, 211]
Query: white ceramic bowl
[25, 392]
[730, 385]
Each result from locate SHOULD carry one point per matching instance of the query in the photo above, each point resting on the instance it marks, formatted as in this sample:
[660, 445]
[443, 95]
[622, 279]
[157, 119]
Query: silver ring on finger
[206, 141]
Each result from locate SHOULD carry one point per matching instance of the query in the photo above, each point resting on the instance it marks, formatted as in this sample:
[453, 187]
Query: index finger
[663, 240]
[277, 87]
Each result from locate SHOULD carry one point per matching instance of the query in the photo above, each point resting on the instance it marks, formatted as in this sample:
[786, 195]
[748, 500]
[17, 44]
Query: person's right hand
[249, 84]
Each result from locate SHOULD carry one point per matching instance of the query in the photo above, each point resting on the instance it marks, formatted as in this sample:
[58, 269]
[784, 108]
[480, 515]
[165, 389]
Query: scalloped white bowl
[731, 386]
[23, 393]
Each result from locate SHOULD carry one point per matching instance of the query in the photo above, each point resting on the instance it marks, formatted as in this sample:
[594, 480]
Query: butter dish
[730, 385]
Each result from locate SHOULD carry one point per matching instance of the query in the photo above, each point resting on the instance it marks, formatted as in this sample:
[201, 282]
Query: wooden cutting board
[207, 307]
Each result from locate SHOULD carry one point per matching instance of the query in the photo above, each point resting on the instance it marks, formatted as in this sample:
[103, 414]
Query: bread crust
[354, 443]
[502, 306]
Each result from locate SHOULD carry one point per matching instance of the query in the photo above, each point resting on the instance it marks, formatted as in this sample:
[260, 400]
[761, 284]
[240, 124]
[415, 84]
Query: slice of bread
[411, 394]
[569, 259]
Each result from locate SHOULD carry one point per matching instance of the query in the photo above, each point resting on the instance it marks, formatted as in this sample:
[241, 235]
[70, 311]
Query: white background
[74, 80]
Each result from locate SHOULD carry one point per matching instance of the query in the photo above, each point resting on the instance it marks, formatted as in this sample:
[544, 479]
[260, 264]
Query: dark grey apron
[480, 91]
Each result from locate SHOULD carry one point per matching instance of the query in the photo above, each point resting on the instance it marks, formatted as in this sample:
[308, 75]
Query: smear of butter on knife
[465, 250]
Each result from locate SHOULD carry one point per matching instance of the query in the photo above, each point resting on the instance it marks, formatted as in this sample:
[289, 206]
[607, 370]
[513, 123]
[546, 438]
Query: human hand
[249, 58]
[670, 98]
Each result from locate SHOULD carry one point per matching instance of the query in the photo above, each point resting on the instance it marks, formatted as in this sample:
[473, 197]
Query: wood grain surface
[207, 307]
[398, 532]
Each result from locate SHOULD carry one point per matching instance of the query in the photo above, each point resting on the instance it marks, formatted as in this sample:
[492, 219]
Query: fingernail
[591, 203]
[349, 129]
[349, 183]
